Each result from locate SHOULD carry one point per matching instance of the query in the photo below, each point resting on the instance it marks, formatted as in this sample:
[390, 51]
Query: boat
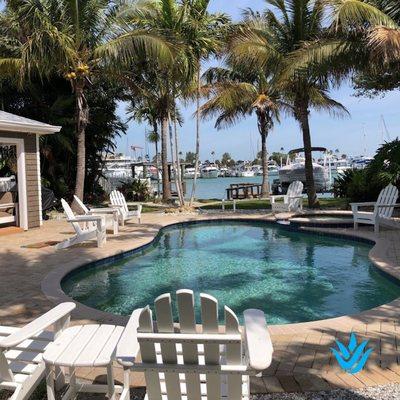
[190, 173]
[295, 171]
[209, 172]
[247, 172]
[361, 162]
[273, 171]
[223, 172]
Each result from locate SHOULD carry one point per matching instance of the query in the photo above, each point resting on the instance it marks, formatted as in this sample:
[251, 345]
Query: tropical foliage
[365, 185]
[70, 63]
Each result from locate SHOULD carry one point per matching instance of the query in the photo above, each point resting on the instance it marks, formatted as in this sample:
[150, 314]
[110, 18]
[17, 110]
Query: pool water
[292, 276]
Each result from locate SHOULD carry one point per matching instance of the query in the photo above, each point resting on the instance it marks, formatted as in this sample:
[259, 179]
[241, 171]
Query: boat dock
[241, 191]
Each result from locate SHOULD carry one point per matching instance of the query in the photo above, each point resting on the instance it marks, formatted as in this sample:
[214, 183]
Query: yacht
[190, 173]
[361, 162]
[273, 171]
[223, 172]
[118, 166]
[209, 172]
[342, 166]
[247, 172]
[295, 171]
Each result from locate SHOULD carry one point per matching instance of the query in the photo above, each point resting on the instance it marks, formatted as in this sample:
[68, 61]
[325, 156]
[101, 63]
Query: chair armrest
[85, 218]
[258, 340]
[128, 346]
[388, 205]
[366, 204]
[38, 325]
[117, 206]
[274, 198]
[102, 210]
[295, 197]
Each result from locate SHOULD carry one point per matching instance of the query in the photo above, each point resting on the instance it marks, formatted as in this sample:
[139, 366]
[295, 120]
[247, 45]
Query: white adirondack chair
[117, 200]
[383, 209]
[93, 227]
[194, 362]
[106, 212]
[21, 350]
[292, 200]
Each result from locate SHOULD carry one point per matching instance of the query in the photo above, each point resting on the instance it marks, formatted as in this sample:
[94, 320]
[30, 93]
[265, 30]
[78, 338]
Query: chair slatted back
[118, 199]
[388, 195]
[198, 350]
[81, 205]
[70, 215]
[295, 189]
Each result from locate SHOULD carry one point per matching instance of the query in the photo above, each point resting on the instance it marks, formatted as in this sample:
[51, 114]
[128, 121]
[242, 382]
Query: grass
[334, 203]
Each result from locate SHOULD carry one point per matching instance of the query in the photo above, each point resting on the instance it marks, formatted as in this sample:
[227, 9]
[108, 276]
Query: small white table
[83, 346]
[107, 212]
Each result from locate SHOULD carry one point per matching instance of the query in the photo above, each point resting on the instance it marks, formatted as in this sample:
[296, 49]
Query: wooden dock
[239, 191]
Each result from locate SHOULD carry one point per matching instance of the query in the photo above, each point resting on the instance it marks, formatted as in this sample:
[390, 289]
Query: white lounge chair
[292, 200]
[94, 227]
[189, 362]
[118, 201]
[383, 209]
[21, 350]
[107, 212]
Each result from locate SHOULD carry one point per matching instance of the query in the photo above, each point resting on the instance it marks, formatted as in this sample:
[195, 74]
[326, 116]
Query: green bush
[135, 190]
[365, 185]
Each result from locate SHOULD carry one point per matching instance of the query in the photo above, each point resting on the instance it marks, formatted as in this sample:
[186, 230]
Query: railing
[243, 191]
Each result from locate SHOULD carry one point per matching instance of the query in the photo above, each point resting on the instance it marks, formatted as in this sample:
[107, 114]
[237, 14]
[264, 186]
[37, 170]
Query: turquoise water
[216, 188]
[292, 276]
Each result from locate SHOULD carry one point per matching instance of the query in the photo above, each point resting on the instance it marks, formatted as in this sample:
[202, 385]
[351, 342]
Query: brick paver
[302, 357]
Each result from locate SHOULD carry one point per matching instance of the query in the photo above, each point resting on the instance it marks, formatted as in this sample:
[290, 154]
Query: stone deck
[302, 358]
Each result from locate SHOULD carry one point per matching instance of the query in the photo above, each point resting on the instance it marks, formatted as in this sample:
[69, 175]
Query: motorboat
[295, 171]
[247, 172]
[361, 162]
[209, 172]
[190, 173]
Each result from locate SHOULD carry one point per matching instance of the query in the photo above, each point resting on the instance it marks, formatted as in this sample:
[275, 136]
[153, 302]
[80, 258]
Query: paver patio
[302, 358]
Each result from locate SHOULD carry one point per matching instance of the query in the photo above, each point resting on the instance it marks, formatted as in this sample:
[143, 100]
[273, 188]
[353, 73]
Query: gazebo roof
[14, 123]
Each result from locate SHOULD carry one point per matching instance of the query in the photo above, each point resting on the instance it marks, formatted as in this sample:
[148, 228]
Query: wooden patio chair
[191, 361]
[21, 350]
[93, 227]
[383, 209]
[292, 200]
[117, 200]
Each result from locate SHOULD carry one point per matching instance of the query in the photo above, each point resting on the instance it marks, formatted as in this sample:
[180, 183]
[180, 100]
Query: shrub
[365, 185]
[135, 190]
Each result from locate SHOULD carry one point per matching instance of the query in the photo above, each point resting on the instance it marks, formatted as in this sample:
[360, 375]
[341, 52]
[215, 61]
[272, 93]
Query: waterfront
[216, 188]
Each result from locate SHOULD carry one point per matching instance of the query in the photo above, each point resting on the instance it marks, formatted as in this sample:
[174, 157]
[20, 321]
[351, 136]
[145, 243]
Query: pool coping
[51, 284]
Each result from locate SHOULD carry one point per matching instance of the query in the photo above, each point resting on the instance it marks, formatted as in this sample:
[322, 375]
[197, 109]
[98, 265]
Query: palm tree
[235, 95]
[79, 40]
[267, 41]
[203, 34]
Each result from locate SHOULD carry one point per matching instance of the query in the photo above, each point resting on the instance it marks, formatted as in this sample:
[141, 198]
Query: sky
[360, 133]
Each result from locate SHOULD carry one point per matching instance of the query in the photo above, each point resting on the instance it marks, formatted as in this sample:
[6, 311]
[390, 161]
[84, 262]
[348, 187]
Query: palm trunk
[82, 117]
[196, 164]
[262, 122]
[166, 189]
[178, 167]
[303, 114]
[264, 159]
[155, 127]
[173, 159]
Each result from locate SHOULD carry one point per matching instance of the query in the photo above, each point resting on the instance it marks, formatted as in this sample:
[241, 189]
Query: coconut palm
[203, 34]
[235, 95]
[267, 40]
[79, 40]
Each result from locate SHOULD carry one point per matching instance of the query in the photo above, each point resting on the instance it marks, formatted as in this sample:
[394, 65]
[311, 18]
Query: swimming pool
[292, 276]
